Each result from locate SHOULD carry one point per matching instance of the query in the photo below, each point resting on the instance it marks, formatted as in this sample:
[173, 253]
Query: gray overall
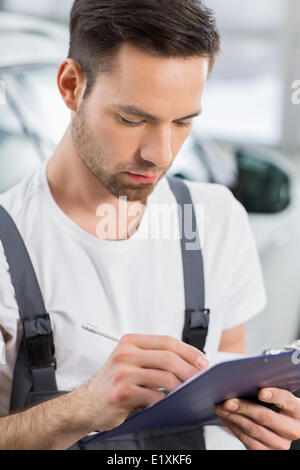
[34, 374]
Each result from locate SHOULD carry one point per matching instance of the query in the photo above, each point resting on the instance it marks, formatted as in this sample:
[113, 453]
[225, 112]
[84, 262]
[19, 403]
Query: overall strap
[196, 315]
[35, 365]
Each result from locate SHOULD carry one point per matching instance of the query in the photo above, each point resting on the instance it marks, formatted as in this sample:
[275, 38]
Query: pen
[97, 331]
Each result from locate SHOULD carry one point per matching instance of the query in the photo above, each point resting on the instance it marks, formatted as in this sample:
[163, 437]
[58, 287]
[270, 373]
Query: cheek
[118, 143]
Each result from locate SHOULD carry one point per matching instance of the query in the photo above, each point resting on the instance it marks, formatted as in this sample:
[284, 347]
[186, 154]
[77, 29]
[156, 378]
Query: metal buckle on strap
[196, 326]
[197, 318]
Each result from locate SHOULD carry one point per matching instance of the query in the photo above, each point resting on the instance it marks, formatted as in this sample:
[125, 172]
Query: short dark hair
[170, 28]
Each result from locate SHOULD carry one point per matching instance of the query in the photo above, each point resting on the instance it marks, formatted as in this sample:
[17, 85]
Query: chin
[136, 194]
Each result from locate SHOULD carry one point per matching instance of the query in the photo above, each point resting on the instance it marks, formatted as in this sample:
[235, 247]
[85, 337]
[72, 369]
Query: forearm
[53, 425]
[126, 381]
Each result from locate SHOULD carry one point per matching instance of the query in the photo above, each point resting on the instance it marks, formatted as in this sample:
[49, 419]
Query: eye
[183, 124]
[125, 122]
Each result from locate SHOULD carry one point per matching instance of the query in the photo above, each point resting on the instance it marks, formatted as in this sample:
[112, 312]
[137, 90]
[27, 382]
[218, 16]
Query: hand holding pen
[136, 372]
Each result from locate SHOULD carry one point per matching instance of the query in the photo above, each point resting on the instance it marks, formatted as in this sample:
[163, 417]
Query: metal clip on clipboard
[295, 345]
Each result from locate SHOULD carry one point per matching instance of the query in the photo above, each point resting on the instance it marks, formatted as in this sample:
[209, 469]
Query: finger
[283, 399]
[249, 442]
[164, 360]
[257, 432]
[187, 352]
[284, 426]
[152, 378]
[141, 397]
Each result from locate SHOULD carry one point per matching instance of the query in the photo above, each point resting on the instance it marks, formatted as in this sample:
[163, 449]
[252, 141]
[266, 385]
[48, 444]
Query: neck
[79, 194]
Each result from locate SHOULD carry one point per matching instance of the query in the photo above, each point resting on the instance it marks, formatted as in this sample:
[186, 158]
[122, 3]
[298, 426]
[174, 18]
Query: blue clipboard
[195, 400]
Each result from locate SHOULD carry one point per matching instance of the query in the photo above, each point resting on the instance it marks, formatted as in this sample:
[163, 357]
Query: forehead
[131, 59]
[139, 77]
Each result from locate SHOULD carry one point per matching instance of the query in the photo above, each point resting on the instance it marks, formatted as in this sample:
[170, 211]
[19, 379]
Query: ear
[71, 83]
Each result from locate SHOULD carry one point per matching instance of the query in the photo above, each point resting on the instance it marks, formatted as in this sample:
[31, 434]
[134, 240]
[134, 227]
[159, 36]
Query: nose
[157, 147]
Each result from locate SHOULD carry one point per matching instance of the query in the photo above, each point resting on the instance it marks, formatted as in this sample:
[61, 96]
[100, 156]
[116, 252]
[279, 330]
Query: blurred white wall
[250, 92]
[54, 9]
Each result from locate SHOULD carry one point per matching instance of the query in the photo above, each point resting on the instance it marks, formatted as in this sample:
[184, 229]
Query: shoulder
[17, 199]
[210, 193]
[21, 204]
[219, 204]
[222, 219]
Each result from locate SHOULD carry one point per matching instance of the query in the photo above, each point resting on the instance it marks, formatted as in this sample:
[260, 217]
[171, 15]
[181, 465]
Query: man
[133, 82]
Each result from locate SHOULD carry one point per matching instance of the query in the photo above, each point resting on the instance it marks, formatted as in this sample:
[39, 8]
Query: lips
[142, 178]
[145, 176]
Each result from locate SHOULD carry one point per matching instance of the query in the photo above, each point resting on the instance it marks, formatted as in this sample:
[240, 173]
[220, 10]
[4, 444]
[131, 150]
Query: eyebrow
[139, 112]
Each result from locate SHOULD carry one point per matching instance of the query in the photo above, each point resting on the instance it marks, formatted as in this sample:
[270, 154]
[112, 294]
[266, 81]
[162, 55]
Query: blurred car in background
[34, 118]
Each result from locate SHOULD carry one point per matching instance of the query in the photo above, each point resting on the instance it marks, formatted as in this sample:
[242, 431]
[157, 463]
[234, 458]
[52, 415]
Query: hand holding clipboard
[194, 401]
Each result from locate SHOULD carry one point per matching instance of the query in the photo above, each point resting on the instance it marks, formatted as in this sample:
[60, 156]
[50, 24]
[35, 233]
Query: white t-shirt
[127, 286]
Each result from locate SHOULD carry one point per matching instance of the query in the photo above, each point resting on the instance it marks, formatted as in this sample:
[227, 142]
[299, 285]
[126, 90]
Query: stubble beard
[93, 157]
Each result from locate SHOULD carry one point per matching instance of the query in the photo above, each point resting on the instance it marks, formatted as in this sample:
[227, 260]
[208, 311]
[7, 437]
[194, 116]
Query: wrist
[82, 417]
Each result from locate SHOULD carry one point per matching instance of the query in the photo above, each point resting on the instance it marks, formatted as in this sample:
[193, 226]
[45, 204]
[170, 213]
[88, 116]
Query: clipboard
[193, 403]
